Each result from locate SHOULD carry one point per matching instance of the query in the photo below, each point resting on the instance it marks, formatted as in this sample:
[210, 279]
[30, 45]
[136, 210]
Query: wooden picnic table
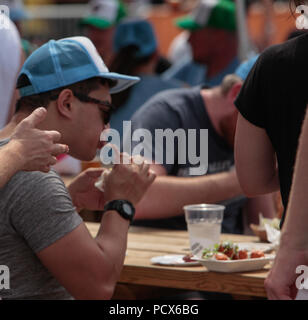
[145, 243]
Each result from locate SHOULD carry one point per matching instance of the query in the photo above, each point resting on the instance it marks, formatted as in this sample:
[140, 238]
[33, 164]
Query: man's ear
[64, 103]
[234, 91]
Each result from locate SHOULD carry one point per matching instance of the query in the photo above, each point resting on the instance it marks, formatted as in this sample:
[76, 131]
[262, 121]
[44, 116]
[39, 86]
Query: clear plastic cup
[204, 226]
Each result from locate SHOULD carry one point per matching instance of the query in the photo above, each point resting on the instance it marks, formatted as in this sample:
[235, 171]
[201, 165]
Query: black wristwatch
[123, 207]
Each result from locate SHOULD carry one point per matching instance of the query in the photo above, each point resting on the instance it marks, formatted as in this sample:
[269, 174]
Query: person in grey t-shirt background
[196, 108]
[43, 241]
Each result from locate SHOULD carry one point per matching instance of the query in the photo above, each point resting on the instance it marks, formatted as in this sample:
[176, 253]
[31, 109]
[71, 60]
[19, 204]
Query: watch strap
[117, 205]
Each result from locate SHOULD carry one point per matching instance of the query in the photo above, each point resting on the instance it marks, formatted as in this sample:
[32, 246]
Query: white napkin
[273, 235]
[99, 184]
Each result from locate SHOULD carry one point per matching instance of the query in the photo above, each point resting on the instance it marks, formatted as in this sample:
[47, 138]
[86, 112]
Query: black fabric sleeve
[251, 101]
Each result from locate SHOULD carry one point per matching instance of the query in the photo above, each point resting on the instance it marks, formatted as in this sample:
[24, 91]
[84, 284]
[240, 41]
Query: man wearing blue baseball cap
[43, 241]
[136, 53]
[186, 109]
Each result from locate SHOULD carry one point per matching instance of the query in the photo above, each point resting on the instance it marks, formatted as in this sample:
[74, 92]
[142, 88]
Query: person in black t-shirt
[272, 104]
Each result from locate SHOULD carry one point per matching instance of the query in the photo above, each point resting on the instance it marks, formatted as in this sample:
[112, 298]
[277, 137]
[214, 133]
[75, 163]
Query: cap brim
[187, 23]
[122, 81]
[96, 22]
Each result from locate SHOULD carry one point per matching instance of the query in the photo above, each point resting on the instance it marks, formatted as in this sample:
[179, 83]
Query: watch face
[127, 209]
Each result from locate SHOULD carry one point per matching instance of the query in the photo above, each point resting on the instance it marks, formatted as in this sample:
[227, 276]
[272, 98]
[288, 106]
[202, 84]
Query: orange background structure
[283, 23]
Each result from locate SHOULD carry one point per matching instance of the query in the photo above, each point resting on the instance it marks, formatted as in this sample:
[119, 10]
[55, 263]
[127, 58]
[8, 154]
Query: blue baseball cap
[64, 62]
[244, 68]
[135, 32]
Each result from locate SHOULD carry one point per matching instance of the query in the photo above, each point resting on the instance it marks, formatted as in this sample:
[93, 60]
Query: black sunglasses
[105, 107]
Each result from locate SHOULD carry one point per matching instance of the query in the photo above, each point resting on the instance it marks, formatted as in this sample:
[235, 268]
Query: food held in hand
[260, 230]
[99, 184]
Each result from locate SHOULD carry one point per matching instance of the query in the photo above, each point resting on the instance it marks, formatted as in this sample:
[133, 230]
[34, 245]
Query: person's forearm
[112, 240]
[10, 163]
[262, 204]
[167, 195]
[296, 223]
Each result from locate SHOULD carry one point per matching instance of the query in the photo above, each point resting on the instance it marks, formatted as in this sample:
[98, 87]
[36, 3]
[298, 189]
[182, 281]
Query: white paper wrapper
[273, 235]
[99, 184]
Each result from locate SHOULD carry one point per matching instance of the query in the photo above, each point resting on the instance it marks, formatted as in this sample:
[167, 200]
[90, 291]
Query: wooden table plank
[199, 281]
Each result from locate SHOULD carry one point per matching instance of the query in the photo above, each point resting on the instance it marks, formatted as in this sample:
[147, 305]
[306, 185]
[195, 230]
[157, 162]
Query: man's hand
[83, 192]
[280, 283]
[35, 149]
[125, 181]
[128, 181]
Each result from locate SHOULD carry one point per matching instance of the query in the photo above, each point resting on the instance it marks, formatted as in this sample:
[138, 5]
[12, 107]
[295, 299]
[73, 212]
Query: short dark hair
[29, 103]
[126, 62]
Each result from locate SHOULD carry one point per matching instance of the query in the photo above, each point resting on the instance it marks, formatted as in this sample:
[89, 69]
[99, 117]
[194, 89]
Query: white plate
[265, 247]
[173, 260]
[236, 265]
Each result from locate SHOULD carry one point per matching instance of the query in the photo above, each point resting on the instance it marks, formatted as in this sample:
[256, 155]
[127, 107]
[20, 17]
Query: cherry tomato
[221, 256]
[256, 254]
[243, 254]
[229, 253]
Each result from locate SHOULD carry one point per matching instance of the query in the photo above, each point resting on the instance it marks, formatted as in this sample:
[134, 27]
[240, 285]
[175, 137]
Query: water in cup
[204, 226]
[203, 235]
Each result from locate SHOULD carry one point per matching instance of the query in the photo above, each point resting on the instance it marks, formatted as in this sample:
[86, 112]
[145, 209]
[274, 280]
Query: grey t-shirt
[35, 211]
[184, 109]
